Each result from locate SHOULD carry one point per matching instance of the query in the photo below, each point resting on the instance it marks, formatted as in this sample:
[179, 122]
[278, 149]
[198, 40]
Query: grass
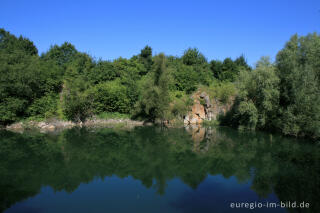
[210, 123]
[113, 115]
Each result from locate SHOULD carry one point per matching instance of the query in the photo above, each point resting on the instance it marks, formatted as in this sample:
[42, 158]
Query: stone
[198, 109]
[203, 94]
[210, 108]
[41, 124]
[207, 100]
[50, 128]
[16, 127]
[186, 119]
[193, 121]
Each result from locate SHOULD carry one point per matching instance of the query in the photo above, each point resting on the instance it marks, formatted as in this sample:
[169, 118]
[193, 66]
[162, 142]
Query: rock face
[205, 108]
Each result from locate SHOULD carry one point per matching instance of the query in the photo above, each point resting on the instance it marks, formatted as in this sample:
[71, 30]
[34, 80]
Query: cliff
[206, 108]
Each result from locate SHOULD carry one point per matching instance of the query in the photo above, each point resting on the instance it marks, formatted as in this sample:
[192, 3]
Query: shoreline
[59, 125]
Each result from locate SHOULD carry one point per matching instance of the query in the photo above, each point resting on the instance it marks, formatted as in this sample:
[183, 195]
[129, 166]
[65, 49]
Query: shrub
[44, 107]
[247, 115]
[223, 91]
[110, 97]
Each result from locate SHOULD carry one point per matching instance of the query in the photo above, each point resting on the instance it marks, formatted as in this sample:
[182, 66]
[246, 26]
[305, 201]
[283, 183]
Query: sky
[110, 29]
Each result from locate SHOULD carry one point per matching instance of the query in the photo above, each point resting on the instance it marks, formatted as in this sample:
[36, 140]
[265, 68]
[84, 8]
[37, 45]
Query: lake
[153, 169]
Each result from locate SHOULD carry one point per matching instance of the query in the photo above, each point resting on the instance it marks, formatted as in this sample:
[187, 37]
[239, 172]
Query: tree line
[68, 84]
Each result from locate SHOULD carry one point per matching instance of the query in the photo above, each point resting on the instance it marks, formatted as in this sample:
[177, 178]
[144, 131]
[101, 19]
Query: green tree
[77, 102]
[62, 55]
[145, 58]
[298, 69]
[110, 96]
[257, 103]
[11, 44]
[229, 70]
[261, 86]
[154, 101]
[216, 68]
[192, 56]
[242, 62]
[24, 77]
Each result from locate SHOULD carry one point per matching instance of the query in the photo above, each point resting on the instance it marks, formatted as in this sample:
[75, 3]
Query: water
[149, 169]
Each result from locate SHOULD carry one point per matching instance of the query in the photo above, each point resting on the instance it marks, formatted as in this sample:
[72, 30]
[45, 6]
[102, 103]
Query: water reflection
[269, 164]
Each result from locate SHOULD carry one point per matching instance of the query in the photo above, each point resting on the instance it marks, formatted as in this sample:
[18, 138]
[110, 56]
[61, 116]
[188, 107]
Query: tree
[242, 62]
[229, 70]
[77, 102]
[261, 86]
[154, 100]
[110, 96]
[24, 77]
[145, 58]
[185, 78]
[258, 98]
[10, 44]
[62, 55]
[216, 68]
[298, 68]
[192, 56]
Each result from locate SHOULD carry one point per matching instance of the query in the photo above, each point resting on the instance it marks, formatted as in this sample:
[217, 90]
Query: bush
[180, 105]
[223, 91]
[247, 115]
[110, 97]
[77, 102]
[77, 106]
[113, 115]
[44, 107]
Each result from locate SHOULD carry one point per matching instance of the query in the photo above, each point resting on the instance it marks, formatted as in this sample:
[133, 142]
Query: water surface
[150, 169]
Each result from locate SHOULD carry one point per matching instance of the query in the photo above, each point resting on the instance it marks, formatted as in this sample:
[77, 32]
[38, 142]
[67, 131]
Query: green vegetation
[67, 84]
[223, 91]
[284, 96]
[113, 115]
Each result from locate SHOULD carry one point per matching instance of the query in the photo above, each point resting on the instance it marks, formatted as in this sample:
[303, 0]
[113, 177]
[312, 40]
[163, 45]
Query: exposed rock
[186, 120]
[48, 128]
[194, 121]
[41, 124]
[16, 127]
[147, 123]
[205, 108]
[198, 110]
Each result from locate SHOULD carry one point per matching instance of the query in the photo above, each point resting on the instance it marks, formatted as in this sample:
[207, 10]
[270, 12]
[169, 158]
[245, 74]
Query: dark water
[149, 169]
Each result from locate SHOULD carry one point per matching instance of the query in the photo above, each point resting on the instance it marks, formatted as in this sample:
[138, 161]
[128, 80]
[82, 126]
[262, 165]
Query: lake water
[148, 169]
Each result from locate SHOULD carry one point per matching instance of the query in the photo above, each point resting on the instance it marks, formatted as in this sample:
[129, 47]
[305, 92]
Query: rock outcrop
[205, 108]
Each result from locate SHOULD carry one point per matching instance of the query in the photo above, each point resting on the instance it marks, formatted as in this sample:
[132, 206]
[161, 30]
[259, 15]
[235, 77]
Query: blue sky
[110, 29]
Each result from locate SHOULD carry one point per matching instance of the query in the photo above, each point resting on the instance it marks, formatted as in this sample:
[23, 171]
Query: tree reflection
[29, 161]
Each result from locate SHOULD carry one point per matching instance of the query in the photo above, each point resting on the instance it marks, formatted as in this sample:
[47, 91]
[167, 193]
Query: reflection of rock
[203, 137]
[198, 136]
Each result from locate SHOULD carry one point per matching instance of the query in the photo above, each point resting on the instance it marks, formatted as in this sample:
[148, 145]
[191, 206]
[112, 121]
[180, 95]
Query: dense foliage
[68, 84]
[284, 96]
